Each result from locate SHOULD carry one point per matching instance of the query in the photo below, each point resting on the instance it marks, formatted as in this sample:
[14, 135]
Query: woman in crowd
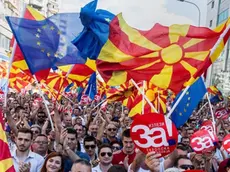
[53, 163]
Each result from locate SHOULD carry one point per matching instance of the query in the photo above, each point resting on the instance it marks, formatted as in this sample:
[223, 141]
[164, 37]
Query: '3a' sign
[203, 141]
[154, 132]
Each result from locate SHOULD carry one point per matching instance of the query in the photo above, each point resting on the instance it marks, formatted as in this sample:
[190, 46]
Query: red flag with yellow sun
[157, 97]
[6, 162]
[125, 93]
[169, 57]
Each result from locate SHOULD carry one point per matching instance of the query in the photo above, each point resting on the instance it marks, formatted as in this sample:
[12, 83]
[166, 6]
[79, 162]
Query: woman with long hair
[53, 163]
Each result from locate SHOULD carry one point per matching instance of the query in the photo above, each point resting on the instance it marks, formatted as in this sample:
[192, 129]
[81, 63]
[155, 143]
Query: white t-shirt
[143, 170]
[96, 169]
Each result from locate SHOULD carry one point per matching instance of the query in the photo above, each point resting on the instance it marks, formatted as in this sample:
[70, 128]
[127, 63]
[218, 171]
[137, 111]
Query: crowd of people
[85, 138]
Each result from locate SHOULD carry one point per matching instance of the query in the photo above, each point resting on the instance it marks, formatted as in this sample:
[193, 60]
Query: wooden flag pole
[150, 104]
[47, 109]
[213, 118]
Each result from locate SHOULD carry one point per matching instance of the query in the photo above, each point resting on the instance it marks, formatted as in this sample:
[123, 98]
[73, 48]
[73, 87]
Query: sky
[143, 14]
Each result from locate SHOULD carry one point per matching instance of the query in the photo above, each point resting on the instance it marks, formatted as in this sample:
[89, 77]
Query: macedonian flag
[169, 57]
[156, 96]
[119, 94]
[6, 163]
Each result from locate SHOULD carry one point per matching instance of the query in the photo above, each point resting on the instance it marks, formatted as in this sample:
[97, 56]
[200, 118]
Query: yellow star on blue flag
[188, 103]
[47, 43]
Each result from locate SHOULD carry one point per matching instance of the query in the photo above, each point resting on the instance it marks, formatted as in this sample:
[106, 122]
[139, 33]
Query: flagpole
[143, 99]
[8, 72]
[158, 96]
[151, 105]
[213, 118]
[57, 91]
[201, 108]
[50, 92]
[48, 111]
[99, 104]
[178, 101]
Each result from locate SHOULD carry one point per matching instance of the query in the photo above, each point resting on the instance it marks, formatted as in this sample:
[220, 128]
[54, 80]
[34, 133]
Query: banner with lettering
[154, 132]
[203, 141]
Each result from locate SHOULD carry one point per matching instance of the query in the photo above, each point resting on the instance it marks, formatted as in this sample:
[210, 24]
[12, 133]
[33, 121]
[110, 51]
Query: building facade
[15, 8]
[7, 8]
[46, 7]
[218, 74]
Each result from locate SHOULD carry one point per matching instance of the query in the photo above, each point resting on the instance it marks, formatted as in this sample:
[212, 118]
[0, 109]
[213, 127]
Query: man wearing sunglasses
[90, 147]
[184, 163]
[105, 154]
[111, 132]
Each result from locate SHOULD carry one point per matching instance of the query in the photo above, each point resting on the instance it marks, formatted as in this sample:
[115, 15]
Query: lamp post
[195, 6]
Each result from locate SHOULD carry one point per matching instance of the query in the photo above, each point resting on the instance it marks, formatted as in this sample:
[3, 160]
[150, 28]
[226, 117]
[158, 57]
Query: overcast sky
[143, 14]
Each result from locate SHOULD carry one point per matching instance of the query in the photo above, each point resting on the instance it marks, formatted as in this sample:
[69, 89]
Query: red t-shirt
[118, 158]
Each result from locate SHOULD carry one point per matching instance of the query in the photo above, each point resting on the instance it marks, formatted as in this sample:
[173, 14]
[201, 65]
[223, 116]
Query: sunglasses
[41, 142]
[112, 129]
[41, 116]
[186, 167]
[116, 148]
[90, 146]
[221, 133]
[108, 153]
[36, 132]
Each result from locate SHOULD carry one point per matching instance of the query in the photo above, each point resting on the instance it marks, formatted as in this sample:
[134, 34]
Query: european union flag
[79, 95]
[47, 43]
[188, 103]
[92, 87]
[67, 89]
[96, 30]
[217, 98]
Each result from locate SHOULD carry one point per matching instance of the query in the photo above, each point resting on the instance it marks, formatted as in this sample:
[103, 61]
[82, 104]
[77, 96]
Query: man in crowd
[127, 152]
[68, 146]
[23, 157]
[90, 145]
[40, 145]
[111, 132]
[105, 154]
[81, 165]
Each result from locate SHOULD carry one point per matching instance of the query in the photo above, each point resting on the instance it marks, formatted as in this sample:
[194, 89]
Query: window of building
[222, 16]
[4, 42]
[210, 23]
[213, 4]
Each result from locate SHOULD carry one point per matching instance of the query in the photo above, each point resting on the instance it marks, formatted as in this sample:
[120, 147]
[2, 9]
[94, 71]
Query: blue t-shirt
[68, 162]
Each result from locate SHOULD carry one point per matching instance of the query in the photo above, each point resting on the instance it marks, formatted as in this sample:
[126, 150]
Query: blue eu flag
[92, 87]
[95, 32]
[80, 92]
[67, 89]
[47, 43]
[188, 103]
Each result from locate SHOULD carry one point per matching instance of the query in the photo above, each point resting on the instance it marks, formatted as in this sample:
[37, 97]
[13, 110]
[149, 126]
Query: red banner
[154, 132]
